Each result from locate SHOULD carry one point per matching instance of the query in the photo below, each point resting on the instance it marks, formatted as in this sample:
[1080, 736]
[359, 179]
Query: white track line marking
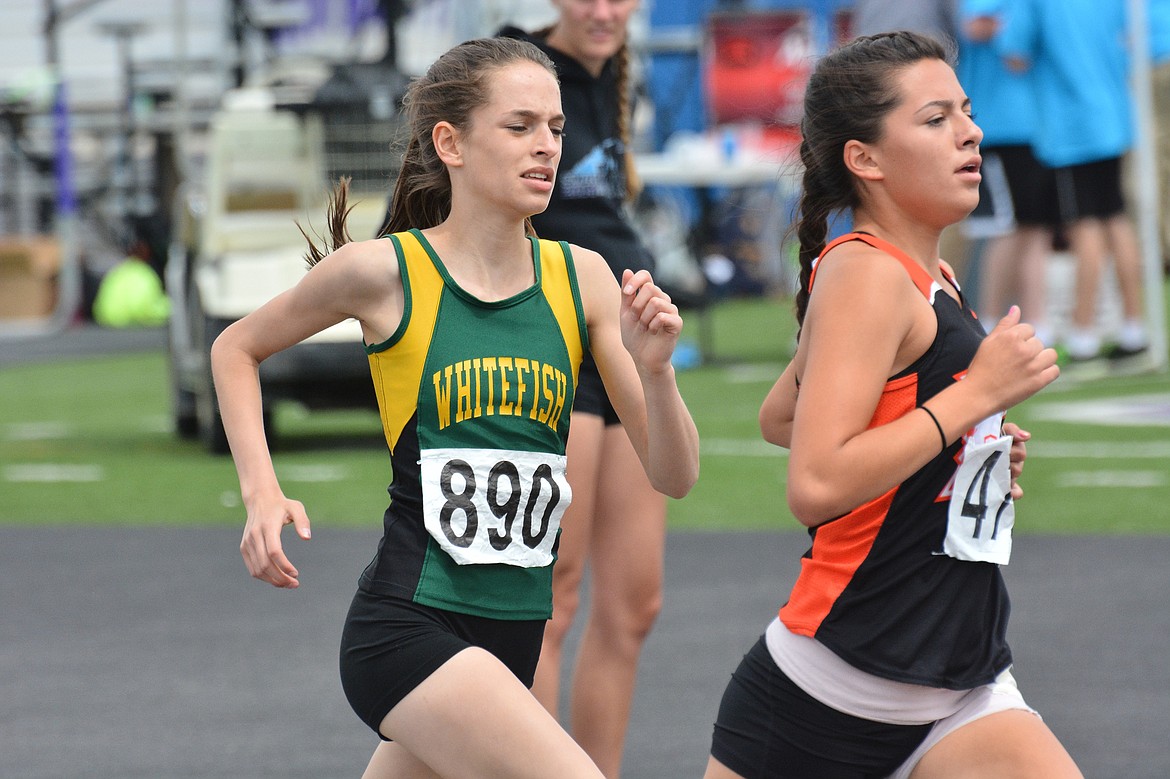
[53, 472]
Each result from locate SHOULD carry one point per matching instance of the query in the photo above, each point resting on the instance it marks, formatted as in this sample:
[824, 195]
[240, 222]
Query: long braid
[812, 229]
[625, 113]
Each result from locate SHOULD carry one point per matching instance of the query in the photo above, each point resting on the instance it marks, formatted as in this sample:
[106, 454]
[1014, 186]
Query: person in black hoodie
[617, 521]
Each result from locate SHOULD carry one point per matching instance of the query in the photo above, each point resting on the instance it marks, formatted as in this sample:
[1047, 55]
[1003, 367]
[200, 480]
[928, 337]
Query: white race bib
[494, 505]
[981, 512]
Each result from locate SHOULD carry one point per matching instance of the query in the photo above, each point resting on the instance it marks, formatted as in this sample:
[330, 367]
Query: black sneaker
[1119, 352]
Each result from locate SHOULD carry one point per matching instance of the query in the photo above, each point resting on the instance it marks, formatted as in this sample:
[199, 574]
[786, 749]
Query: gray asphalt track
[81, 340]
[149, 653]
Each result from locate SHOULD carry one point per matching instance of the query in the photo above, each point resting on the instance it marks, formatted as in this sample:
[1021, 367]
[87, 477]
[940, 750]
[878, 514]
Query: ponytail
[422, 193]
[337, 234]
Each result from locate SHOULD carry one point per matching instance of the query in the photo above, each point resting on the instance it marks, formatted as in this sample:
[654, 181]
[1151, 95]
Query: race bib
[494, 505]
[981, 512]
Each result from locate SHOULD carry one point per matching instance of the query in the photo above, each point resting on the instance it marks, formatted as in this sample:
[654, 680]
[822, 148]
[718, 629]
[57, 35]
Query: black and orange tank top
[875, 586]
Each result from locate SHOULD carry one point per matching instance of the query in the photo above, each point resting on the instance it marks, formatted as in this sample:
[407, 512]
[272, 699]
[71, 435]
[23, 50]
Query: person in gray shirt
[936, 18]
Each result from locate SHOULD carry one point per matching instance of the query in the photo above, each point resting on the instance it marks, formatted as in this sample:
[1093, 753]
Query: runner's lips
[972, 166]
[539, 174]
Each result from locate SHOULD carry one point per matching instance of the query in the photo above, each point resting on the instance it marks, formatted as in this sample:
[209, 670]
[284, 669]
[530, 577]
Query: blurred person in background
[474, 331]
[937, 18]
[131, 294]
[890, 656]
[1159, 22]
[1076, 52]
[616, 526]
[1017, 205]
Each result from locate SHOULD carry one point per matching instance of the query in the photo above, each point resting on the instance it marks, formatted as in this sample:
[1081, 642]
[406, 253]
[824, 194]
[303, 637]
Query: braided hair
[848, 96]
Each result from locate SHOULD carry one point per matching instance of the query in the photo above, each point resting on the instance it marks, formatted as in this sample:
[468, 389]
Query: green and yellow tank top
[475, 400]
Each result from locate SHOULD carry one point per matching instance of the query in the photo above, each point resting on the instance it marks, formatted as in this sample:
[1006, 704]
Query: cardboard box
[28, 276]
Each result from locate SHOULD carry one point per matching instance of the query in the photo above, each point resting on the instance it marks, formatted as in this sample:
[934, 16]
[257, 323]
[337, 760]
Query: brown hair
[454, 86]
[848, 96]
[625, 116]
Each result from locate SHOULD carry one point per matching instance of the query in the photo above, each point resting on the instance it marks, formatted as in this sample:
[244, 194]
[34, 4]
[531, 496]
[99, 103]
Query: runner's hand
[650, 321]
[261, 548]
[1017, 455]
[1012, 365]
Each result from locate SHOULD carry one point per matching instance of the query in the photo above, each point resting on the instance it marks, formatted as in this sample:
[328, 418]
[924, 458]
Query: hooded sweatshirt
[587, 200]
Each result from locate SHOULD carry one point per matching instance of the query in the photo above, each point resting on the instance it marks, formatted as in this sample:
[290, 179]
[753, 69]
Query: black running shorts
[769, 728]
[390, 645]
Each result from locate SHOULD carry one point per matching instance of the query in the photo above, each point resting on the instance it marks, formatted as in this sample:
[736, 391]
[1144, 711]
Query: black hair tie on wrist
[941, 435]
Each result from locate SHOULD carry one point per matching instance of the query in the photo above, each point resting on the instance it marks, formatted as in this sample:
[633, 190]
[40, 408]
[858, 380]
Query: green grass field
[89, 441]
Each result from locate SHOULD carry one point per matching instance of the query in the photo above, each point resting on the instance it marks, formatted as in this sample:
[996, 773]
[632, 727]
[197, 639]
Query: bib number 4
[981, 513]
[976, 506]
[487, 506]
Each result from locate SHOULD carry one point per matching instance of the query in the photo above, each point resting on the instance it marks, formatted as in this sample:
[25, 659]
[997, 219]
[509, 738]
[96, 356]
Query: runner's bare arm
[779, 408]
[838, 461]
[351, 282]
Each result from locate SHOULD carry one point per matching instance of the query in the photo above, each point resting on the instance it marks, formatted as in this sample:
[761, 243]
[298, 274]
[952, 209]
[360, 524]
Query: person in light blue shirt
[1159, 26]
[1003, 99]
[1017, 205]
[1159, 23]
[1076, 51]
